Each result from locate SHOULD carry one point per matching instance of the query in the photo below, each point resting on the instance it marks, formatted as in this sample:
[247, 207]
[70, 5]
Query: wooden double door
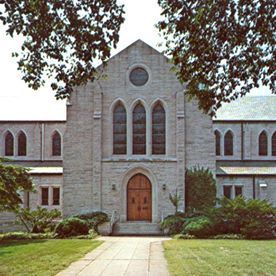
[139, 198]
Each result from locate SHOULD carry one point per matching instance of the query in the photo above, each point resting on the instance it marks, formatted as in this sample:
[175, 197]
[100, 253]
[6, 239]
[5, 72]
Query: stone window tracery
[138, 76]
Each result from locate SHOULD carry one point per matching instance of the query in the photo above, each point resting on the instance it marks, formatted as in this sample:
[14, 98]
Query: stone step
[137, 229]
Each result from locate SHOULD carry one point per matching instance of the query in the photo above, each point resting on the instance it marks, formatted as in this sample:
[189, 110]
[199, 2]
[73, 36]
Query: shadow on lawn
[7, 243]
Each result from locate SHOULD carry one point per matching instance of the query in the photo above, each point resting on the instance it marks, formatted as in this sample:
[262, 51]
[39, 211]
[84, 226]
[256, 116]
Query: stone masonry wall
[8, 220]
[90, 168]
[200, 141]
[39, 139]
[268, 193]
[77, 156]
[251, 132]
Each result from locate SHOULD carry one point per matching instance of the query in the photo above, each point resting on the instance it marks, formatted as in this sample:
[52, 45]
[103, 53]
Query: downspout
[254, 187]
[42, 142]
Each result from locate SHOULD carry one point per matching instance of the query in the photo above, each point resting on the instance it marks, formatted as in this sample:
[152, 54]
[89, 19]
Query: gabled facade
[129, 138]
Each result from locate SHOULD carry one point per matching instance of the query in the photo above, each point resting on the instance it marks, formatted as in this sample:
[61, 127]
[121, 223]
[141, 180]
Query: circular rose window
[138, 76]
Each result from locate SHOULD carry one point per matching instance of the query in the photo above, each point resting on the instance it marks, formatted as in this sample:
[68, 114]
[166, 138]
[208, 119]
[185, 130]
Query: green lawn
[220, 257]
[41, 257]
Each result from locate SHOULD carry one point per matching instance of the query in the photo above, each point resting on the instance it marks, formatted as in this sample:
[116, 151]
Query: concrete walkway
[135, 256]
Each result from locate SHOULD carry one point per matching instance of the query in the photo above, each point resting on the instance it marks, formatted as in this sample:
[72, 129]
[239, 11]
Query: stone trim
[138, 158]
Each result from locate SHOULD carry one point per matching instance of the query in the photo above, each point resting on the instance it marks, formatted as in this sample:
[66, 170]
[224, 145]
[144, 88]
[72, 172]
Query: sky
[18, 102]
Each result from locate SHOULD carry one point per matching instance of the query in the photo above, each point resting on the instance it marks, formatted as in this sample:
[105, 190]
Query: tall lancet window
[22, 144]
[56, 144]
[158, 129]
[139, 130]
[263, 144]
[218, 137]
[228, 143]
[9, 143]
[273, 144]
[119, 129]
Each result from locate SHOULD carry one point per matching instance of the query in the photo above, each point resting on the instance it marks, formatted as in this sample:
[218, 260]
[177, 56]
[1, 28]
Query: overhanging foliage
[221, 48]
[62, 39]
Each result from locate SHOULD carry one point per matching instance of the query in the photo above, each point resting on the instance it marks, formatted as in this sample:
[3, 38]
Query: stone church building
[128, 138]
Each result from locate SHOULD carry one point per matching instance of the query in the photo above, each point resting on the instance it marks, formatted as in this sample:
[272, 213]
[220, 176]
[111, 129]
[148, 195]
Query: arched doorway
[139, 198]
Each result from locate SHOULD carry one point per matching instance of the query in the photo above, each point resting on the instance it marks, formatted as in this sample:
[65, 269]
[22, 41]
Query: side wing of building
[37, 145]
[245, 134]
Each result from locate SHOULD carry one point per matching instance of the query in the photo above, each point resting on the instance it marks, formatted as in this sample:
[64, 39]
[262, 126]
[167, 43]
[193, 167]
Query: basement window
[238, 191]
[45, 196]
[227, 191]
[232, 191]
[56, 196]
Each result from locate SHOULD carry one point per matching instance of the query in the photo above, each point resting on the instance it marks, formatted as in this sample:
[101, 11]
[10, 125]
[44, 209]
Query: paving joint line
[90, 261]
[131, 258]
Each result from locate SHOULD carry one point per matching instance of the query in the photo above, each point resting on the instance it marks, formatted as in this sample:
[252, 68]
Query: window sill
[140, 158]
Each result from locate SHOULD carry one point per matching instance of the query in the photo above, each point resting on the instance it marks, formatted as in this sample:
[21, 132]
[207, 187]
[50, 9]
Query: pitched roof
[260, 108]
[46, 170]
[138, 43]
[246, 170]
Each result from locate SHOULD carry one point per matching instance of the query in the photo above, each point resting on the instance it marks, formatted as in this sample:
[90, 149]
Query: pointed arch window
[273, 144]
[158, 129]
[56, 144]
[139, 130]
[218, 137]
[9, 144]
[228, 143]
[263, 144]
[22, 144]
[119, 129]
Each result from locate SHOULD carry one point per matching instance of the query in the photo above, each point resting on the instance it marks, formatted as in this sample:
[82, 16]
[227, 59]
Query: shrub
[173, 224]
[200, 189]
[200, 227]
[234, 219]
[94, 219]
[253, 218]
[39, 220]
[71, 227]
[259, 221]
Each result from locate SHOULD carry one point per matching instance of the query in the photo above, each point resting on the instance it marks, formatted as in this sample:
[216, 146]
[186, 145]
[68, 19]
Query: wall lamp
[263, 185]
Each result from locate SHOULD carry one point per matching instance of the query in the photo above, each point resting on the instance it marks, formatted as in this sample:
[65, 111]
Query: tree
[200, 189]
[13, 180]
[62, 39]
[39, 220]
[220, 48]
